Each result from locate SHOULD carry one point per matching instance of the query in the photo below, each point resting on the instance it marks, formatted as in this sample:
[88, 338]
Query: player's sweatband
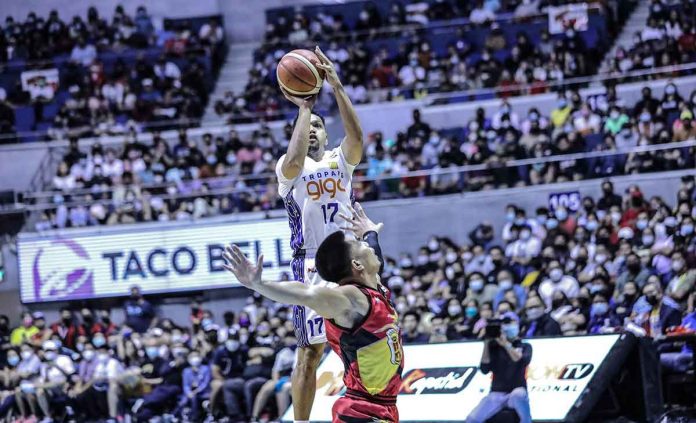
[373, 241]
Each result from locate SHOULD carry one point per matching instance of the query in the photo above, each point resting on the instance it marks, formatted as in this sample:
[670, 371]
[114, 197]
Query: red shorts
[353, 410]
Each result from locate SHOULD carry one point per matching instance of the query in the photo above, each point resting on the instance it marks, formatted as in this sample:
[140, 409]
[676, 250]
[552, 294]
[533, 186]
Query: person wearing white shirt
[54, 374]
[83, 53]
[651, 31]
[557, 281]
[522, 251]
[481, 14]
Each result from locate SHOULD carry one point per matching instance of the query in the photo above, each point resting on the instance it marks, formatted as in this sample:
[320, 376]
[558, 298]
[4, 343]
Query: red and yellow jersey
[372, 356]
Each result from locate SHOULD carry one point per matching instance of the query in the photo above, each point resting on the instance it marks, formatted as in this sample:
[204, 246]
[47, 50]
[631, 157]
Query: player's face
[317, 136]
[365, 254]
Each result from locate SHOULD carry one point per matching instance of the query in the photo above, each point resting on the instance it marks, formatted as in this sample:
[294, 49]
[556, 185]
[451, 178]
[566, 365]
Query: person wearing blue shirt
[139, 312]
[506, 283]
[196, 385]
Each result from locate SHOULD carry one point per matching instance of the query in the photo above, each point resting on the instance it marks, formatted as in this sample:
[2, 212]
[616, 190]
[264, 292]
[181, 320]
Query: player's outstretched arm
[352, 144]
[342, 304]
[299, 141]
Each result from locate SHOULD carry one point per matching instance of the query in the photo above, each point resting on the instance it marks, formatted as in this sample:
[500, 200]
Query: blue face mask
[599, 309]
[152, 352]
[551, 224]
[471, 312]
[13, 361]
[511, 331]
[99, 342]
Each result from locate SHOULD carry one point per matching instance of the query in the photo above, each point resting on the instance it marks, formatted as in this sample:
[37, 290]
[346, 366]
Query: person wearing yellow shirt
[560, 115]
[24, 332]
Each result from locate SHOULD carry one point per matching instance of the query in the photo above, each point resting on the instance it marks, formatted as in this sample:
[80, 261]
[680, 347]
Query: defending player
[361, 324]
[316, 186]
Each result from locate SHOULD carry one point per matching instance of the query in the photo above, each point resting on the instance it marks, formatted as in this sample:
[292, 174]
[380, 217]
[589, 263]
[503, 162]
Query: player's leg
[304, 380]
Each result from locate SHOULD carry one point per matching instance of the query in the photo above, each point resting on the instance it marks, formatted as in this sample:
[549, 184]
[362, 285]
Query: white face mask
[556, 274]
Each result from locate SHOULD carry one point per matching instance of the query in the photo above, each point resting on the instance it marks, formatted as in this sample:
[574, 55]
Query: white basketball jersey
[315, 198]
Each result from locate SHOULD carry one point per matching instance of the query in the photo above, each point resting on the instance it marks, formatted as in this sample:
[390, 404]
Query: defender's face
[318, 137]
[366, 256]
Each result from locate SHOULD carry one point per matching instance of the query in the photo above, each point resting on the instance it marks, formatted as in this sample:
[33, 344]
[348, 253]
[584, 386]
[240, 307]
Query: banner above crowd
[159, 260]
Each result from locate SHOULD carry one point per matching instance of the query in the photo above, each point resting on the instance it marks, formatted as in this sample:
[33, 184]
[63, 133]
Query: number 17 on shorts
[309, 326]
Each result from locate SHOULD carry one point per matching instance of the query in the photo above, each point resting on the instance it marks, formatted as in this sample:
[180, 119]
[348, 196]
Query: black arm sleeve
[373, 241]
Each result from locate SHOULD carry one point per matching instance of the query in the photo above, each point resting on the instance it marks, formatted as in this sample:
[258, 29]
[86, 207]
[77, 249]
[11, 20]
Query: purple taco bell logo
[61, 271]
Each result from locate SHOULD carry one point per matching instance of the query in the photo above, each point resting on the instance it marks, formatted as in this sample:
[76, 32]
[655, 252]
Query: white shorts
[309, 326]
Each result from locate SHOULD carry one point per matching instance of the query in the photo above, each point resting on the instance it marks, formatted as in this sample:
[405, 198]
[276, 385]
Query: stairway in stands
[635, 23]
[233, 77]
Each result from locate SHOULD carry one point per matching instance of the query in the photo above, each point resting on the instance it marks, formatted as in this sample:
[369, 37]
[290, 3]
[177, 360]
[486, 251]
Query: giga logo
[62, 270]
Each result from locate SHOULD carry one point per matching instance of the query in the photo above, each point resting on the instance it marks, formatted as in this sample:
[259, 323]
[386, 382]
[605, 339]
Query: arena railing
[664, 72]
[35, 201]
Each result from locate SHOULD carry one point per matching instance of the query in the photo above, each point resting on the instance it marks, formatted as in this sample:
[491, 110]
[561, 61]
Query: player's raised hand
[300, 101]
[359, 223]
[236, 262]
[328, 67]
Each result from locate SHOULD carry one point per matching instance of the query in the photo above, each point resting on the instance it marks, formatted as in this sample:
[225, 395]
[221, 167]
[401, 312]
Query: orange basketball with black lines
[298, 74]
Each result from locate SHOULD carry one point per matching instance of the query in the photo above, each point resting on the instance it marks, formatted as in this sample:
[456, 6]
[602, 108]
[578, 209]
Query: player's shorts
[309, 326]
[354, 410]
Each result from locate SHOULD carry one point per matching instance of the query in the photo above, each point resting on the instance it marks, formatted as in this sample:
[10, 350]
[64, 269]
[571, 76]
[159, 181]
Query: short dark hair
[333, 259]
[294, 121]
[412, 313]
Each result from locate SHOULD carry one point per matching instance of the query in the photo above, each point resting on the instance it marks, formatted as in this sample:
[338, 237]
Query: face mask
[556, 274]
[88, 355]
[670, 89]
[599, 309]
[600, 258]
[471, 312]
[648, 239]
[615, 217]
[433, 245]
[541, 219]
[26, 355]
[525, 235]
[454, 310]
[476, 285]
[195, 361]
[591, 225]
[232, 345]
[99, 342]
[535, 313]
[551, 224]
[677, 265]
[505, 284]
[561, 214]
[13, 360]
[510, 216]
[467, 256]
[651, 299]
[102, 357]
[641, 224]
[152, 352]
[687, 230]
[206, 322]
[50, 355]
[511, 331]
[451, 257]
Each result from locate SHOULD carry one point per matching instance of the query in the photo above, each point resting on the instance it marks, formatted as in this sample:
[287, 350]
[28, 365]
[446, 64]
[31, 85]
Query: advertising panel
[107, 264]
[442, 382]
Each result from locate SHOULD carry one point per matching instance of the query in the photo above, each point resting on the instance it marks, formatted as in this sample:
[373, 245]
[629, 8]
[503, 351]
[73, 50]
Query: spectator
[140, 314]
[54, 378]
[24, 333]
[537, 322]
[410, 325]
[507, 357]
[602, 317]
[280, 381]
[195, 385]
[660, 315]
[557, 281]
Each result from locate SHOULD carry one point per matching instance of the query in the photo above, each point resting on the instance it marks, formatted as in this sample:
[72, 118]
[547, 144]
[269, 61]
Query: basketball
[298, 74]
